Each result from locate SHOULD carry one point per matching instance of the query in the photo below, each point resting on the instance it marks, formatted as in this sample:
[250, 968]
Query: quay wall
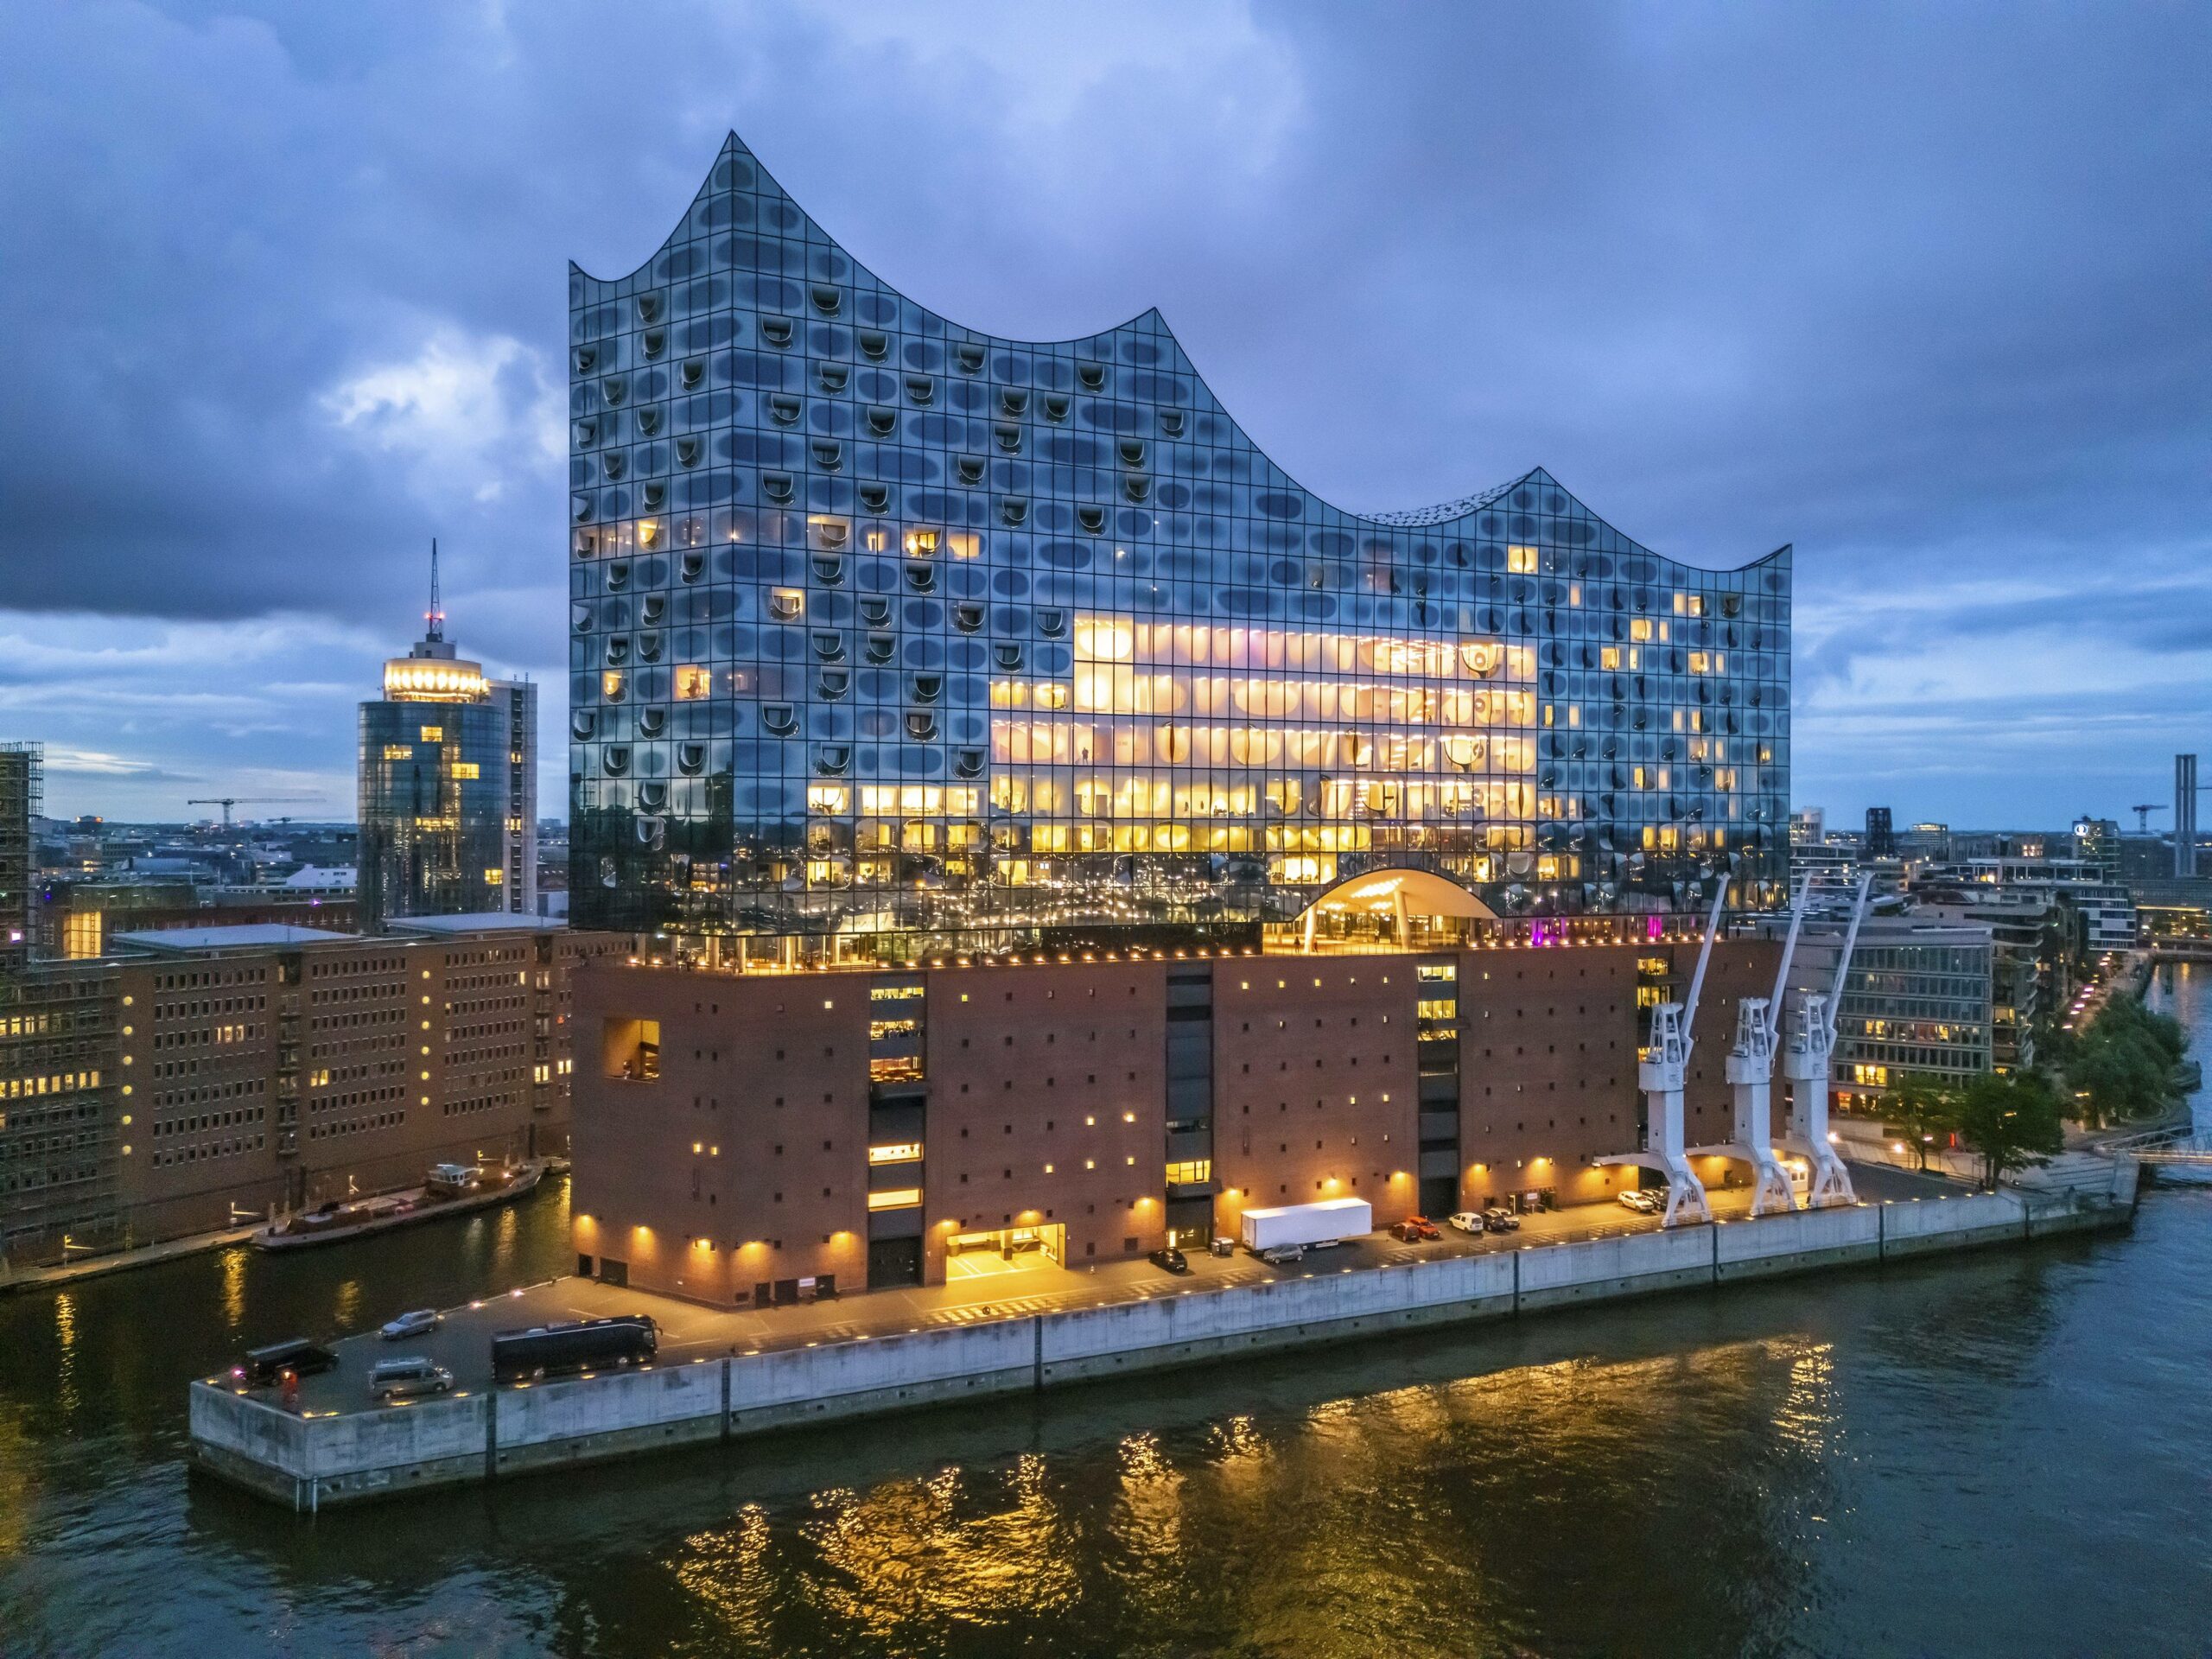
[308, 1462]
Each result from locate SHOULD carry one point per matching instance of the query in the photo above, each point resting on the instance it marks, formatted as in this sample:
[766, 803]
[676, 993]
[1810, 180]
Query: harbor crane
[1806, 1061]
[1751, 1075]
[1660, 1069]
[226, 802]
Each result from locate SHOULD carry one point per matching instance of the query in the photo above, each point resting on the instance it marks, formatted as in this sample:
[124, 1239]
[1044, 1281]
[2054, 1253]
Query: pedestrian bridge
[2181, 1143]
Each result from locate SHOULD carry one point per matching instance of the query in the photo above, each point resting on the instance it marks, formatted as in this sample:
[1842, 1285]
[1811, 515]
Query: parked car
[412, 1324]
[403, 1379]
[1500, 1221]
[1171, 1259]
[1283, 1255]
[1642, 1201]
[1413, 1228]
[1468, 1221]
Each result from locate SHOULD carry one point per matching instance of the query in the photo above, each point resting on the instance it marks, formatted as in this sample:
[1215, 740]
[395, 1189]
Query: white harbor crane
[1750, 1074]
[1659, 1072]
[1805, 1063]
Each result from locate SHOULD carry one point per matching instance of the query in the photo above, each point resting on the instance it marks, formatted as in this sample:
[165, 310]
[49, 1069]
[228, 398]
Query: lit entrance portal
[1410, 909]
[1008, 1249]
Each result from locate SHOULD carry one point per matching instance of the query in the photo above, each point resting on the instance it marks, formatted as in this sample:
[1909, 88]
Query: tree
[1924, 1106]
[2011, 1122]
[2123, 1062]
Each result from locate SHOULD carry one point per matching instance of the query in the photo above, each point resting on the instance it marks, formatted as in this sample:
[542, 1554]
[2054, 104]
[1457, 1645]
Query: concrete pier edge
[309, 1462]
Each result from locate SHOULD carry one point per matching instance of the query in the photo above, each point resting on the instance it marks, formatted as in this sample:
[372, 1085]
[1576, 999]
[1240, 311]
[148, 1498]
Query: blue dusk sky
[1926, 290]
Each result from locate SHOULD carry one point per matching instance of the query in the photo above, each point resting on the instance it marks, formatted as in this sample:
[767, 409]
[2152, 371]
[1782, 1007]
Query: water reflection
[232, 1263]
[65, 1343]
[1873, 1462]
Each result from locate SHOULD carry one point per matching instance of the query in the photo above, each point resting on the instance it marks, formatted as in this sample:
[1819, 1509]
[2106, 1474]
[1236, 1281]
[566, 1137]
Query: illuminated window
[786, 604]
[921, 543]
[1189, 1172]
[902, 1151]
[693, 683]
[1610, 656]
[610, 685]
[1522, 560]
[1639, 628]
[495, 878]
[467, 770]
[434, 733]
[398, 751]
[897, 1198]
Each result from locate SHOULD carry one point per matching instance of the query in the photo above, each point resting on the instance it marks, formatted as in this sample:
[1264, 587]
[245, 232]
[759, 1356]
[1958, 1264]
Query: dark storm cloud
[1919, 290]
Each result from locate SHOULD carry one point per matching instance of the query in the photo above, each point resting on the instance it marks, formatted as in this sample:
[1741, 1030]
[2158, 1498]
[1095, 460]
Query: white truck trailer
[1307, 1226]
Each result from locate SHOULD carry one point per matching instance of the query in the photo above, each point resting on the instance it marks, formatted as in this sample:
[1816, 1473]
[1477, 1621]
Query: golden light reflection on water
[993, 1549]
[730, 1573]
[1414, 1517]
[1147, 1525]
[346, 1305]
[234, 1269]
[1808, 1419]
[65, 1367]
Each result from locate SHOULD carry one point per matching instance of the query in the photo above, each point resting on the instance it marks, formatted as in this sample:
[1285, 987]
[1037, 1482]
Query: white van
[403, 1379]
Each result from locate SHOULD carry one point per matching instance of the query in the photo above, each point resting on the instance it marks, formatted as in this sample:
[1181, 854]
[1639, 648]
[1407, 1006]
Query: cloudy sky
[1927, 292]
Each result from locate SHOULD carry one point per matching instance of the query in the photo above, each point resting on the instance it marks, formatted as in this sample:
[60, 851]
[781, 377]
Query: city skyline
[1858, 342]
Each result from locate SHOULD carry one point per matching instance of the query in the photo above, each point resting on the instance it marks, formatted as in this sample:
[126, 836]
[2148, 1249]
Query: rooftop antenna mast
[435, 620]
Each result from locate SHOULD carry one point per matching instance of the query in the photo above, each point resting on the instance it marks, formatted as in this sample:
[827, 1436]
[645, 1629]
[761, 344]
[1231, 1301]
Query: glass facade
[447, 790]
[1914, 1004]
[884, 629]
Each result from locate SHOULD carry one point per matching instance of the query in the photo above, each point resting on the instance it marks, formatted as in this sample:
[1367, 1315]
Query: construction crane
[226, 802]
[2143, 811]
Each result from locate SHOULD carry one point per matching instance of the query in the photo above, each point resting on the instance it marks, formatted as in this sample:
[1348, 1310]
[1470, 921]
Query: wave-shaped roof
[742, 220]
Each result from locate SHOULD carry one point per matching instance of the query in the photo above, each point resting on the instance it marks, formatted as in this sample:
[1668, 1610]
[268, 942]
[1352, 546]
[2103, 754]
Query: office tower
[448, 786]
[20, 776]
[888, 634]
[1881, 838]
[2184, 816]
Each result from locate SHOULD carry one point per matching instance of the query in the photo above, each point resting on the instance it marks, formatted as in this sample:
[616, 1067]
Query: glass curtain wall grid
[884, 629]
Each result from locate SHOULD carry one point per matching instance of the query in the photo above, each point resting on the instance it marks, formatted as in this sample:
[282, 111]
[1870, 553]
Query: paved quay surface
[689, 1331]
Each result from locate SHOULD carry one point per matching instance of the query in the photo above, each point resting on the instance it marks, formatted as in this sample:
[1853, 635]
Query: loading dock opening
[1006, 1250]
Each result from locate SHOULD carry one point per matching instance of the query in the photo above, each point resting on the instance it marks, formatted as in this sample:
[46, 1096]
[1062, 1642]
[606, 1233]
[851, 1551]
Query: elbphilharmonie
[889, 635]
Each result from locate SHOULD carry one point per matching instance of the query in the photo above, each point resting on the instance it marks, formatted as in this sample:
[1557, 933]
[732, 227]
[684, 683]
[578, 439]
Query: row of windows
[165, 1128]
[230, 1148]
[211, 977]
[390, 1120]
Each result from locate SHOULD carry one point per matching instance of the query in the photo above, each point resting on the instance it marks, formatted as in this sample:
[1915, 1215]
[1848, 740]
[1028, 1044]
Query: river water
[2004, 1454]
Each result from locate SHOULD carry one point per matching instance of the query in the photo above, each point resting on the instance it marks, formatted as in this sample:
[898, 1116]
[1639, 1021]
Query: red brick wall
[1315, 1083]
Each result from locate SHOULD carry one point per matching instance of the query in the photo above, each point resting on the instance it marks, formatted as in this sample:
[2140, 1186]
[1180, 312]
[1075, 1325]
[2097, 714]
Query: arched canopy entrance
[1404, 906]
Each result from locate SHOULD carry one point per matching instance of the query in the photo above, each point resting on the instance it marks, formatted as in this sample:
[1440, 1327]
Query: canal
[2004, 1454]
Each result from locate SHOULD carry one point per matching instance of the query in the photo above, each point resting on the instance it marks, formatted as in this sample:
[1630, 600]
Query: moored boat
[451, 1190]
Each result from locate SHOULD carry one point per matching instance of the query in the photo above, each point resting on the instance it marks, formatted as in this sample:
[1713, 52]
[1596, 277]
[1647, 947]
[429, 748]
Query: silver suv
[404, 1379]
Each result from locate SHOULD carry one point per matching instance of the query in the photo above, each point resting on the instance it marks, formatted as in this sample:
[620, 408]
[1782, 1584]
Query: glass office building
[888, 635]
[448, 790]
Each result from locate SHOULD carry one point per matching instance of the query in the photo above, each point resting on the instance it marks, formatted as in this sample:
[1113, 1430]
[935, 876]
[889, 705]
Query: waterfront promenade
[722, 1374]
